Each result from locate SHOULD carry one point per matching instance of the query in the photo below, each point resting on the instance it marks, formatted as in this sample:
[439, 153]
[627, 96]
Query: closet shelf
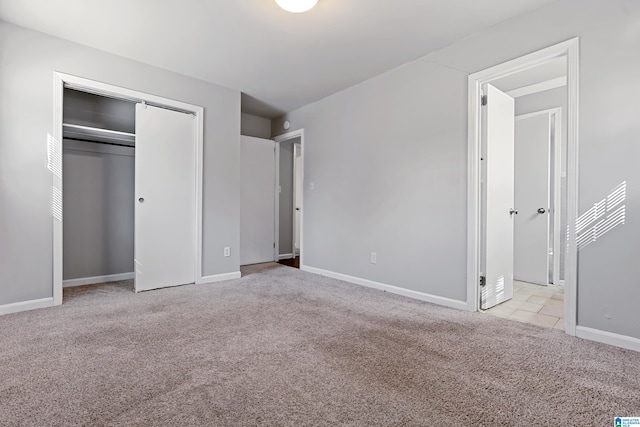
[92, 134]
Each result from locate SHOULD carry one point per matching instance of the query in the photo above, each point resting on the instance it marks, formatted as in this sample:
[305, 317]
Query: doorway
[539, 197]
[289, 198]
[492, 208]
[159, 123]
[538, 294]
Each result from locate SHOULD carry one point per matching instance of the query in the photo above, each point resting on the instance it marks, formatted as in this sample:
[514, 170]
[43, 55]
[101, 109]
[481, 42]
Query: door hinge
[274, 245]
[483, 281]
[483, 100]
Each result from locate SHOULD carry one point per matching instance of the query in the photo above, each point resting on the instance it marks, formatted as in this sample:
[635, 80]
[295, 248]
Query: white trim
[219, 278]
[285, 256]
[26, 305]
[276, 206]
[69, 283]
[281, 138]
[58, 94]
[296, 147]
[555, 110]
[538, 87]
[610, 338]
[118, 92]
[571, 260]
[475, 82]
[199, 117]
[559, 142]
[91, 86]
[434, 299]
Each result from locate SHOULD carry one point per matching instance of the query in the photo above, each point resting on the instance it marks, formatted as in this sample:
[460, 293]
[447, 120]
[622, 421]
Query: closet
[98, 192]
[129, 192]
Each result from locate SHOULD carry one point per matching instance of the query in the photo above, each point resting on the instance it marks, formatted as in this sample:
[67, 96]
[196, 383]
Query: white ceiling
[280, 61]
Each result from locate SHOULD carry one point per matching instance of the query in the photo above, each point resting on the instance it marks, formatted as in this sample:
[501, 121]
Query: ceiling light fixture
[296, 6]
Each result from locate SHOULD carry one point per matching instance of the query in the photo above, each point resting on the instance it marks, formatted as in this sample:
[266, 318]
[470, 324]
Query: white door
[498, 197]
[532, 177]
[257, 195]
[297, 196]
[165, 205]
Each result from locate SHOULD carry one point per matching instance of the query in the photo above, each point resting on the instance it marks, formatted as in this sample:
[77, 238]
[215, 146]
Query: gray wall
[388, 162]
[98, 196]
[27, 64]
[255, 126]
[388, 158]
[286, 198]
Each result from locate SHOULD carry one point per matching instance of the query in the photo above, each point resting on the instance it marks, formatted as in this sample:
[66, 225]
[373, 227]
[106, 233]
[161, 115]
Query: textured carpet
[284, 347]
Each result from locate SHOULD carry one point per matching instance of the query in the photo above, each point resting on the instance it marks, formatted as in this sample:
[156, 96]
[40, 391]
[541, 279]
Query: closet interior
[98, 191]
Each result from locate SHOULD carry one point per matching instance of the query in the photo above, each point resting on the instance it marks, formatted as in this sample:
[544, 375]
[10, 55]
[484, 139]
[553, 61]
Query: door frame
[276, 247]
[570, 49]
[62, 81]
[556, 113]
[296, 149]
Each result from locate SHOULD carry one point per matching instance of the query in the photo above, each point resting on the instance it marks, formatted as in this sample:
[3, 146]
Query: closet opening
[98, 157]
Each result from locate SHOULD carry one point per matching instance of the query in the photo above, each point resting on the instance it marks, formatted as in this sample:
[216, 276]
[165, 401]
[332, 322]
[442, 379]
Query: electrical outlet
[227, 251]
[374, 258]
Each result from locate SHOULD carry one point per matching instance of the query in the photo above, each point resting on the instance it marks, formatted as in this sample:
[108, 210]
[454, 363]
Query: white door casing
[297, 196]
[62, 80]
[475, 239]
[498, 197]
[532, 197]
[278, 139]
[257, 193]
[165, 198]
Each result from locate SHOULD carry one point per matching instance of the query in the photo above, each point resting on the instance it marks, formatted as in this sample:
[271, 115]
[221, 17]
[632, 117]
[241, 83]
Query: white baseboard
[447, 302]
[219, 277]
[285, 256]
[26, 305]
[610, 338]
[97, 279]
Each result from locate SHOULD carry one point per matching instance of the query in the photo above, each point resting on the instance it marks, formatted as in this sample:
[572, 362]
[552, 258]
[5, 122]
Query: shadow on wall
[54, 164]
[609, 213]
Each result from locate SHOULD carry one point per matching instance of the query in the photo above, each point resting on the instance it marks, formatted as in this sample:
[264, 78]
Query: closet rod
[100, 142]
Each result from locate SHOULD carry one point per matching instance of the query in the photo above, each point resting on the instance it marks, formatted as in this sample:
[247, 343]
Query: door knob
[141, 199]
[513, 211]
[541, 210]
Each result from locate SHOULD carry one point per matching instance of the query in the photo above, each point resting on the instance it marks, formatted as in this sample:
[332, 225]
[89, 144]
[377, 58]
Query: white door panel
[297, 197]
[532, 175]
[257, 195]
[165, 230]
[498, 189]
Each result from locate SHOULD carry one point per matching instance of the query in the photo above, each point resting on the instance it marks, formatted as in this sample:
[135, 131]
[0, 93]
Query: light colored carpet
[284, 347]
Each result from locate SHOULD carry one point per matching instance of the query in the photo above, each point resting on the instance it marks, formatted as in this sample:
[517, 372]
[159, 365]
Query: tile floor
[539, 305]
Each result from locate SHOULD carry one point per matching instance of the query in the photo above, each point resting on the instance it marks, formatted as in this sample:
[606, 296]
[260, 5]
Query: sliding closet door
[165, 200]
